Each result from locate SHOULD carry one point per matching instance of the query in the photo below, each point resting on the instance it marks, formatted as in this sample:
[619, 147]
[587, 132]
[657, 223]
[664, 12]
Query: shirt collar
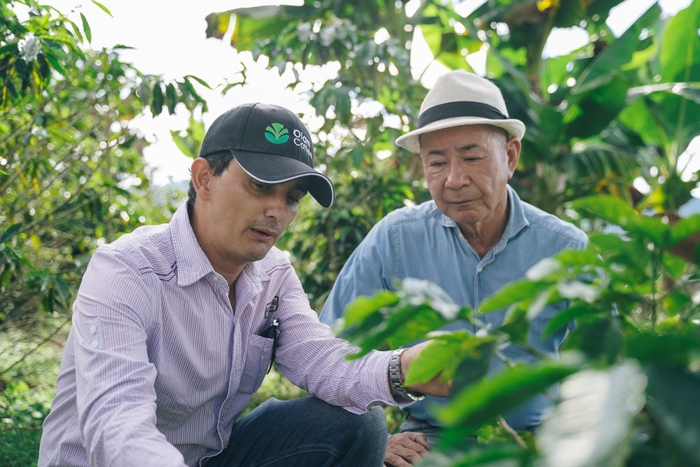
[516, 219]
[192, 263]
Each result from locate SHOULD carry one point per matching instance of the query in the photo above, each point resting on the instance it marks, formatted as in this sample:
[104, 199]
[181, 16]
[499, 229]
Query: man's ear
[201, 177]
[513, 147]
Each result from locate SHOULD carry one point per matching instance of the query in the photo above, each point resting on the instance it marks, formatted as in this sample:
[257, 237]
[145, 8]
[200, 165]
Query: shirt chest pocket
[257, 361]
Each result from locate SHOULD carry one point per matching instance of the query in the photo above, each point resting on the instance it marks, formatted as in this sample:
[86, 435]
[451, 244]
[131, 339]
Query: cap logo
[276, 133]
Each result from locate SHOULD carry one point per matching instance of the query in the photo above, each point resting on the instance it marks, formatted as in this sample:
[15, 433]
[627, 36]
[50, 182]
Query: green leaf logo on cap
[276, 133]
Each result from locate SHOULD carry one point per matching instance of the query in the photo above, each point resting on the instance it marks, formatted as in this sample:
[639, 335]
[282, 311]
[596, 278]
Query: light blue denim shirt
[422, 243]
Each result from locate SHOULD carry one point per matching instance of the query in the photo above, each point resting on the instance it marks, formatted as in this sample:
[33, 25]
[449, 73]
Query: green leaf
[217, 24]
[474, 365]
[102, 7]
[86, 27]
[76, 31]
[431, 361]
[607, 242]
[675, 301]
[606, 65]
[183, 144]
[594, 110]
[673, 265]
[484, 400]
[252, 24]
[673, 393]
[685, 227]
[515, 292]
[360, 308]
[10, 232]
[592, 424]
[601, 339]
[55, 63]
[432, 34]
[390, 320]
[357, 156]
[343, 105]
[607, 207]
[563, 318]
[618, 212]
[171, 98]
[199, 80]
[672, 349]
[415, 292]
[144, 91]
[446, 355]
[158, 99]
[680, 46]
[61, 290]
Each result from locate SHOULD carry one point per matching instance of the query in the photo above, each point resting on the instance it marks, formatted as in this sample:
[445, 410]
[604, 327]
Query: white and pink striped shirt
[157, 366]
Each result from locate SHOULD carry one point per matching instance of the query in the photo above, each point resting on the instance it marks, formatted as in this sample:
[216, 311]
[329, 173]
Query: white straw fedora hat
[461, 98]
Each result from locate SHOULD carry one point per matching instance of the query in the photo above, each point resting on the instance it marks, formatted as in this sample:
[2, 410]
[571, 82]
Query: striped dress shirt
[157, 366]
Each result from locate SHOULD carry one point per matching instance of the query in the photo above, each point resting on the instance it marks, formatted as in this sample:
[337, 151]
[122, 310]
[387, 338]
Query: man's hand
[433, 387]
[402, 449]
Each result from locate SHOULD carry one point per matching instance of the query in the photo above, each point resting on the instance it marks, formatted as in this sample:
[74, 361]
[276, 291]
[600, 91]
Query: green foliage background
[618, 109]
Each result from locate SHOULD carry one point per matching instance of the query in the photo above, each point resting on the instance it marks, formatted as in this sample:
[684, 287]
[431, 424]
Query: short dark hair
[219, 161]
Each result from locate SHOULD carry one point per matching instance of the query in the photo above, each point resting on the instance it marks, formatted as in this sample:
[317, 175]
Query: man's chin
[260, 252]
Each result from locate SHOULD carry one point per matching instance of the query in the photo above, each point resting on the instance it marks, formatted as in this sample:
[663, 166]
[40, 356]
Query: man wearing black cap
[475, 236]
[175, 327]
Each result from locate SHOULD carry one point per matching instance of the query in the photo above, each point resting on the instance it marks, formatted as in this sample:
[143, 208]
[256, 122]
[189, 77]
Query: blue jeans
[305, 432]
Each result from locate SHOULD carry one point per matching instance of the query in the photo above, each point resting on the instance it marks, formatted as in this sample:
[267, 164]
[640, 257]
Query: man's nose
[456, 176]
[275, 205]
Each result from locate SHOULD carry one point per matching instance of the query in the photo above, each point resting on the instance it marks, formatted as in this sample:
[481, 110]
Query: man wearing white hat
[475, 236]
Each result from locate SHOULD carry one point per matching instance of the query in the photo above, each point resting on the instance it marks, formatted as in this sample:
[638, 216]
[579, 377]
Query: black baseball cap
[271, 144]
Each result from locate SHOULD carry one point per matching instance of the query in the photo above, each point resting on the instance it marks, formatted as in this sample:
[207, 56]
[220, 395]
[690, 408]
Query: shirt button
[93, 329]
[93, 344]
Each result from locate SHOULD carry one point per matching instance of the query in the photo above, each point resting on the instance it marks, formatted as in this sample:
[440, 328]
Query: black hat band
[459, 109]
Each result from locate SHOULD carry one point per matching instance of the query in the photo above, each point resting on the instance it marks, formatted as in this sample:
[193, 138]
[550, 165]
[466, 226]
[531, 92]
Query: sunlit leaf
[675, 301]
[680, 46]
[217, 24]
[426, 292]
[102, 7]
[580, 290]
[591, 424]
